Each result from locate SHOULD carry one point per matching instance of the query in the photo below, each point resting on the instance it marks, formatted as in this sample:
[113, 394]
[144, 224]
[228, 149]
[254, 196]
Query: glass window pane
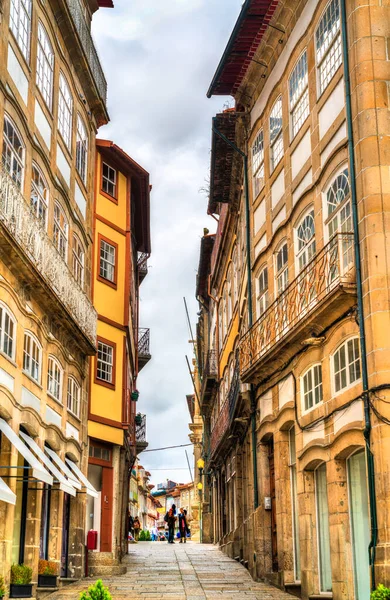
[359, 515]
[323, 530]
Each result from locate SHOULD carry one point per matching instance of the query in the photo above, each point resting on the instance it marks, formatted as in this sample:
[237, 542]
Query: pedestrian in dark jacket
[171, 520]
[183, 526]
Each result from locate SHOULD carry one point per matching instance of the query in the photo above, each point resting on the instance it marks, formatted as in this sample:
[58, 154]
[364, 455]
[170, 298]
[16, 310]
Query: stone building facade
[52, 100]
[293, 292]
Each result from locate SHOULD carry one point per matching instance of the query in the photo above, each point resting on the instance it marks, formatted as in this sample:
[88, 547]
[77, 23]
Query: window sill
[111, 284]
[112, 199]
[106, 384]
[32, 379]
[9, 359]
[54, 398]
[72, 414]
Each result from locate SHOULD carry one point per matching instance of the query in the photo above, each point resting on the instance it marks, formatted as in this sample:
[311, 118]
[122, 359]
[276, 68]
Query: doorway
[65, 535]
[359, 517]
[274, 529]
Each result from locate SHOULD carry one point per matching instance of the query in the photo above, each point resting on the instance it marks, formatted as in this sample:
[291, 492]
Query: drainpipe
[366, 401]
[250, 312]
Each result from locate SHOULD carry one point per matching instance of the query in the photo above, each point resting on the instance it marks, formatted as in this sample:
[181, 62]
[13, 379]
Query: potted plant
[3, 589]
[20, 586]
[381, 593]
[47, 574]
[96, 591]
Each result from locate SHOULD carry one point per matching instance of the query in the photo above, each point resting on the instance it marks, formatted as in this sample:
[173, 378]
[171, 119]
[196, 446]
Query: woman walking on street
[183, 527]
[171, 520]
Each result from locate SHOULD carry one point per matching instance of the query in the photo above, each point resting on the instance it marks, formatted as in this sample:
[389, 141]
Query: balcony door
[339, 220]
[306, 250]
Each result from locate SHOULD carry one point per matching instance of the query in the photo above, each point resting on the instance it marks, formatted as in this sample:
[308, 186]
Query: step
[67, 581]
[106, 570]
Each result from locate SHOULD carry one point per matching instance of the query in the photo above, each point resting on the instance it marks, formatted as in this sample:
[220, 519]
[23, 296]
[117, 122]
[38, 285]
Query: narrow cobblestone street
[191, 572]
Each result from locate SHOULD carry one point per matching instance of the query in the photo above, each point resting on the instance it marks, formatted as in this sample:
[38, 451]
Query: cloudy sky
[159, 58]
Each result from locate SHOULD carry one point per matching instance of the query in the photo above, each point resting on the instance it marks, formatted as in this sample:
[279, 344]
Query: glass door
[359, 517]
[323, 530]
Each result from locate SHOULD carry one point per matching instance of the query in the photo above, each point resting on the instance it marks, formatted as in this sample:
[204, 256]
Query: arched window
[60, 231]
[306, 241]
[235, 275]
[81, 149]
[54, 378]
[39, 197]
[276, 133]
[13, 152]
[45, 65]
[328, 44]
[78, 260]
[7, 331]
[339, 216]
[229, 295]
[262, 292]
[281, 268]
[258, 164]
[73, 396]
[32, 356]
[20, 24]
[311, 387]
[65, 111]
[346, 364]
[299, 94]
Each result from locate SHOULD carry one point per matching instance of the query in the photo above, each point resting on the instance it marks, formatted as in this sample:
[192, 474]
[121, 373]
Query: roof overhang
[244, 41]
[96, 4]
[118, 157]
[204, 269]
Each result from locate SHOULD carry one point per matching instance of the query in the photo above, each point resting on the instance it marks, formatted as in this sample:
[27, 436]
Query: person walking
[183, 526]
[137, 527]
[154, 534]
[170, 518]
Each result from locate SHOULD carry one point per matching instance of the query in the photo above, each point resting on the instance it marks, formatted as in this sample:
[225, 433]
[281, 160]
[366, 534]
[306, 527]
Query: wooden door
[274, 530]
[107, 502]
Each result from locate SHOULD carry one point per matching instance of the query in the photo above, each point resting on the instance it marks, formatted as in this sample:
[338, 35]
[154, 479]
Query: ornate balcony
[144, 355]
[31, 254]
[140, 433]
[209, 381]
[323, 291]
[142, 263]
[225, 417]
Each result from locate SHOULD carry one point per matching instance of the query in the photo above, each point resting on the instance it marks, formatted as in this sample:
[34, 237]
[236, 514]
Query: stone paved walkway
[158, 571]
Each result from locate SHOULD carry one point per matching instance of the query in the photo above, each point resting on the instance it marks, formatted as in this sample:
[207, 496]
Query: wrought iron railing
[142, 262]
[211, 365]
[331, 267]
[17, 217]
[140, 428]
[88, 45]
[226, 414]
[143, 342]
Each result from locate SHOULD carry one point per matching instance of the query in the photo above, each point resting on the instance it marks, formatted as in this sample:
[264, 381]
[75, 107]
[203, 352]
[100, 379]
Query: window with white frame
[81, 149]
[65, 111]
[60, 231]
[225, 311]
[39, 196]
[78, 260]
[107, 261]
[229, 295]
[346, 364]
[258, 164]
[339, 215]
[32, 356]
[105, 363]
[20, 24]
[235, 275]
[13, 152]
[312, 387]
[54, 378]
[299, 94]
[7, 332]
[328, 44]
[281, 264]
[109, 180]
[306, 240]
[276, 133]
[45, 65]
[73, 396]
[262, 292]
[220, 322]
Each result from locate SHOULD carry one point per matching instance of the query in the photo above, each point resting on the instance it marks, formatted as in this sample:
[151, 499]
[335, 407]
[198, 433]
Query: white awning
[65, 484]
[6, 495]
[38, 470]
[61, 465]
[88, 486]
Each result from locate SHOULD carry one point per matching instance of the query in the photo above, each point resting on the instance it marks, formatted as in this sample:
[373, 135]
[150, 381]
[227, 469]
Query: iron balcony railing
[332, 267]
[143, 342]
[226, 414]
[27, 231]
[140, 428]
[142, 262]
[211, 365]
[84, 33]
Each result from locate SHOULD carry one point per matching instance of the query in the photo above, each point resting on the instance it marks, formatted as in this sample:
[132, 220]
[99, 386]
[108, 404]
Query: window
[346, 364]
[20, 24]
[105, 363]
[32, 357]
[306, 240]
[39, 195]
[81, 149]
[258, 164]
[229, 295]
[7, 332]
[78, 260]
[54, 378]
[107, 269]
[281, 269]
[328, 44]
[262, 292]
[65, 108]
[337, 208]
[294, 503]
[235, 275]
[299, 94]
[312, 387]
[276, 133]
[73, 396]
[109, 180]
[60, 231]
[13, 152]
[45, 65]
[323, 529]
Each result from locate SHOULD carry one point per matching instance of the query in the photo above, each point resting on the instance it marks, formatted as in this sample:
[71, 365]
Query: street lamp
[200, 465]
